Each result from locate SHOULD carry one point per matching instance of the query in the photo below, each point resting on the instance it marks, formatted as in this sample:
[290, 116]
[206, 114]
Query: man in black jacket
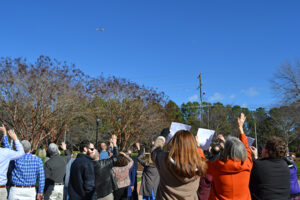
[55, 171]
[103, 177]
[82, 177]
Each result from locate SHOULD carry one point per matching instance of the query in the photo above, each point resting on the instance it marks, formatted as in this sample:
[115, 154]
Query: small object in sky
[100, 29]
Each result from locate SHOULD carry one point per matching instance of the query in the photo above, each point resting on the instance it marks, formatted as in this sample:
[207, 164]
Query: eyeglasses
[92, 149]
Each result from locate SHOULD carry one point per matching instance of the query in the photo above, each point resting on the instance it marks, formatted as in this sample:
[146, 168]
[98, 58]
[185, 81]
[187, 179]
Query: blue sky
[236, 45]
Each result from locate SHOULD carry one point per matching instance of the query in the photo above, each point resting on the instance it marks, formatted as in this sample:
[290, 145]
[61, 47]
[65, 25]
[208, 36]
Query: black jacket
[82, 179]
[55, 171]
[103, 177]
[270, 179]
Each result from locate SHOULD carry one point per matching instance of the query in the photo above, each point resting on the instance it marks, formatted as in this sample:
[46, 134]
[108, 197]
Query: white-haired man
[55, 171]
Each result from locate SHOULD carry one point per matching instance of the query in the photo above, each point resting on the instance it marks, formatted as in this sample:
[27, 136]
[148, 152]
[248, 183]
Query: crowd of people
[178, 169]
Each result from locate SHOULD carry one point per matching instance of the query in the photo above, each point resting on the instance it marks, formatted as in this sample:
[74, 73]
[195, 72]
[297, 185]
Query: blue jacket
[132, 180]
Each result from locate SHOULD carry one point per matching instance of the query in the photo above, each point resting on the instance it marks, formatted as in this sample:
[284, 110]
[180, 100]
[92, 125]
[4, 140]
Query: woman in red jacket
[232, 173]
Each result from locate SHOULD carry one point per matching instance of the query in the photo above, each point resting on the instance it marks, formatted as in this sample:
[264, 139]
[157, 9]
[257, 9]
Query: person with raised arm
[104, 181]
[55, 171]
[150, 177]
[231, 174]
[6, 155]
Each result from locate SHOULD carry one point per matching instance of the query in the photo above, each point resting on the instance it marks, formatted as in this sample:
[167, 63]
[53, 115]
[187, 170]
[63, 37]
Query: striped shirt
[26, 170]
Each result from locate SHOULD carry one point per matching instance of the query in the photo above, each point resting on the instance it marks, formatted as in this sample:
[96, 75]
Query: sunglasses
[92, 149]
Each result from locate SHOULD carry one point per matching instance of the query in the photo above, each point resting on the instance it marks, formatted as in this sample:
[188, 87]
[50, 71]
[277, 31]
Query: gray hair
[52, 149]
[26, 146]
[234, 149]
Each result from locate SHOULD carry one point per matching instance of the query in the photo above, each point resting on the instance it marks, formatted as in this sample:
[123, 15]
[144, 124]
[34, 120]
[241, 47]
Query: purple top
[294, 181]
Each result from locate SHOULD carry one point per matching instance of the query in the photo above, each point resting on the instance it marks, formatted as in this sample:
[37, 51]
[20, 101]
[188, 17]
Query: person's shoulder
[37, 159]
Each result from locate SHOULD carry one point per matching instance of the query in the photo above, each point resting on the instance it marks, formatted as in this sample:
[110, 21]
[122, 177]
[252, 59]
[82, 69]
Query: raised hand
[138, 146]
[221, 137]
[241, 120]
[12, 134]
[254, 152]
[114, 140]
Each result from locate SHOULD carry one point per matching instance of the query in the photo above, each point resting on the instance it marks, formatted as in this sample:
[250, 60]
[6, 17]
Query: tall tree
[39, 100]
[134, 112]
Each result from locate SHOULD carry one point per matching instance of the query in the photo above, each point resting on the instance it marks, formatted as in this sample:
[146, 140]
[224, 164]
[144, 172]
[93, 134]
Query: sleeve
[67, 156]
[89, 181]
[41, 176]
[47, 170]
[253, 182]
[14, 155]
[112, 160]
[210, 167]
[132, 175]
[130, 163]
[6, 143]
[244, 140]
[140, 160]
[201, 152]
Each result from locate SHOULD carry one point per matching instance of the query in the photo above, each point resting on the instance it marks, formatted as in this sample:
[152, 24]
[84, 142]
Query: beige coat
[172, 186]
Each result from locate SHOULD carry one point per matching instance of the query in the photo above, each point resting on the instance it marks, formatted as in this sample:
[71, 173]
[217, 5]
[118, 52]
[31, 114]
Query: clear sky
[165, 44]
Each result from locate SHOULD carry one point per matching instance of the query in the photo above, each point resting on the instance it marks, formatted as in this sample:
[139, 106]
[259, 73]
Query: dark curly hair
[84, 143]
[276, 147]
[122, 161]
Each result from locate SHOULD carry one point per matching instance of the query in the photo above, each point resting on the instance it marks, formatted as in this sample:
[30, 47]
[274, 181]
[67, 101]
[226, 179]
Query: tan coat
[172, 186]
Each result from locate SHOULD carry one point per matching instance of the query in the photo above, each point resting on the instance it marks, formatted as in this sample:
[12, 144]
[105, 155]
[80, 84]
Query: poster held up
[205, 137]
[175, 126]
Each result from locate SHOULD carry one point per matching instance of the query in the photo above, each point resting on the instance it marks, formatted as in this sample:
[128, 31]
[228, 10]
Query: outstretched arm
[241, 120]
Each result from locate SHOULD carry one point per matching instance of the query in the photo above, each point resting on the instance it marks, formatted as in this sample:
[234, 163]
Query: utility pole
[255, 134]
[200, 87]
[97, 127]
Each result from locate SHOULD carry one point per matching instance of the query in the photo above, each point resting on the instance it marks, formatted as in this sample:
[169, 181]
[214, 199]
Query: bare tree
[285, 119]
[286, 82]
[39, 100]
[134, 112]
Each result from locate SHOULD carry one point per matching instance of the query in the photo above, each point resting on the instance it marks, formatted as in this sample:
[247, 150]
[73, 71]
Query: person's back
[150, 178]
[55, 171]
[230, 179]
[231, 174]
[172, 185]
[270, 176]
[179, 171]
[26, 171]
[270, 179]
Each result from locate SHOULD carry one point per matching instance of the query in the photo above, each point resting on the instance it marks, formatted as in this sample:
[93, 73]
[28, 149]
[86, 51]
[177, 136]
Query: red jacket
[231, 178]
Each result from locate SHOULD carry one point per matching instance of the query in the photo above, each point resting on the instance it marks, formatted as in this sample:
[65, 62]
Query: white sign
[250, 141]
[205, 137]
[175, 126]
